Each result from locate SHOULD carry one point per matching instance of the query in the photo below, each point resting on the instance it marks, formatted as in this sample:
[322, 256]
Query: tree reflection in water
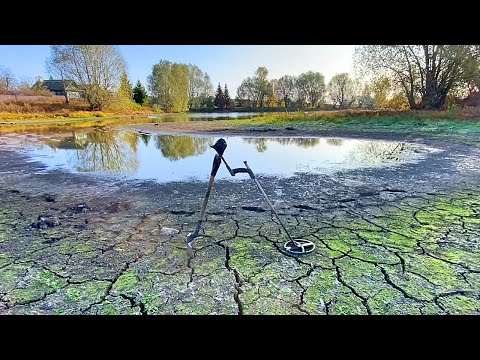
[334, 142]
[377, 152]
[108, 150]
[102, 150]
[261, 142]
[145, 138]
[180, 147]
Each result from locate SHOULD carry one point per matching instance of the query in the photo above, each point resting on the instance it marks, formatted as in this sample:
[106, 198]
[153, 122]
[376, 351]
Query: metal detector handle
[217, 161]
[235, 171]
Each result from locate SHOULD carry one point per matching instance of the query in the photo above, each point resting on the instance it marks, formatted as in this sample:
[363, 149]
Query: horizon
[226, 64]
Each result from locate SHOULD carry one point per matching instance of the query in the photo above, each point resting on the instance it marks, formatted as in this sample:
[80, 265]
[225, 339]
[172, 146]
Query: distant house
[60, 87]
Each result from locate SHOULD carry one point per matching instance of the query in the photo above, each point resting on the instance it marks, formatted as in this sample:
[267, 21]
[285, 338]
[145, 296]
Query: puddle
[141, 155]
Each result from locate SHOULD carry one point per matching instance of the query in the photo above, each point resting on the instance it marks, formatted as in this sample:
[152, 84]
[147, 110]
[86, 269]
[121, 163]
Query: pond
[163, 158]
[204, 116]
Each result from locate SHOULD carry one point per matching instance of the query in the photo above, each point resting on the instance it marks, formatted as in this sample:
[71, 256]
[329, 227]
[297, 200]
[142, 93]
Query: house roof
[57, 85]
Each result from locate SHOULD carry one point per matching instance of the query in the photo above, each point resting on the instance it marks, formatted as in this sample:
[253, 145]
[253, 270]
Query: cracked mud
[403, 240]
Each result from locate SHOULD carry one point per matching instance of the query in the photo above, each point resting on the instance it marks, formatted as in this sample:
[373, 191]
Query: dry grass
[69, 124]
[54, 108]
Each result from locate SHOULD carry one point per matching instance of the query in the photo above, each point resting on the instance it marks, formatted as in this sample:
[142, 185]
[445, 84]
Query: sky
[228, 64]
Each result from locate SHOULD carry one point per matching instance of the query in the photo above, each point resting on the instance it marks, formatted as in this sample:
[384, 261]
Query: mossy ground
[421, 259]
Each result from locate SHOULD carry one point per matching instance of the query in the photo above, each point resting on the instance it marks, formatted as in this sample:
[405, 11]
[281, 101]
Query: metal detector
[292, 246]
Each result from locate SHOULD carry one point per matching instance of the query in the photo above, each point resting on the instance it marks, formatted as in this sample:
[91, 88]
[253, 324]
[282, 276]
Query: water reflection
[379, 152]
[175, 147]
[204, 116]
[261, 142]
[334, 142]
[145, 138]
[109, 151]
[177, 158]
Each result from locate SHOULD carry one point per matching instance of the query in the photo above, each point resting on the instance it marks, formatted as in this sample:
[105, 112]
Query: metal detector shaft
[252, 175]
[191, 237]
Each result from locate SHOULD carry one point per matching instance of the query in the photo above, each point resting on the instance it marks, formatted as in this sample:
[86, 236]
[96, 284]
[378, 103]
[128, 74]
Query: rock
[49, 198]
[81, 208]
[46, 222]
[165, 231]
[117, 207]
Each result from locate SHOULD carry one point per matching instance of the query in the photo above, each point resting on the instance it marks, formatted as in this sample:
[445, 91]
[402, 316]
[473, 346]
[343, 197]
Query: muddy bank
[402, 240]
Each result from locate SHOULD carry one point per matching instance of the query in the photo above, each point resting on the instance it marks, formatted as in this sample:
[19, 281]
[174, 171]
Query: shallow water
[204, 116]
[163, 158]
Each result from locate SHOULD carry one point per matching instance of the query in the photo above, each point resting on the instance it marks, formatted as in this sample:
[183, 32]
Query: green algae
[10, 275]
[444, 275]
[365, 278]
[44, 283]
[460, 304]
[82, 295]
[391, 302]
[127, 282]
[414, 286]
[4, 259]
[163, 282]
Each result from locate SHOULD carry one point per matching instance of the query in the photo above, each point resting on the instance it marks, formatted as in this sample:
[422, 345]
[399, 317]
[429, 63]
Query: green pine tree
[139, 93]
[125, 86]
[219, 98]
[228, 101]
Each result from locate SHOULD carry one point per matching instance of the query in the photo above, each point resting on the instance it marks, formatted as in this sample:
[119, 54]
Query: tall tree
[341, 90]
[311, 87]
[226, 95]
[200, 86]
[169, 85]
[139, 93]
[7, 79]
[255, 89]
[125, 89]
[364, 98]
[246, 92]
[285, 89]
[261, 85]
[426, 73]
[95, 68]
[381, 88]
[219, 98]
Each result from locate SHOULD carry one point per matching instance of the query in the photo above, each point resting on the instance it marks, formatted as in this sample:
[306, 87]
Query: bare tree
[311, 87]
[341, 90]
[7, 79]
[95, 68]
[285, 89]
[426, 73]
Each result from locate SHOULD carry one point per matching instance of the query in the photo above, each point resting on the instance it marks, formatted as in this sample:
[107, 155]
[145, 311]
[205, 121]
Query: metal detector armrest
[240, 170]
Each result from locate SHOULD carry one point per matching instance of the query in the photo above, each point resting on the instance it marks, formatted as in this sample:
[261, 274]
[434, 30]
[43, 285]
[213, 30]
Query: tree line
[309, 91]
[387, 76]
